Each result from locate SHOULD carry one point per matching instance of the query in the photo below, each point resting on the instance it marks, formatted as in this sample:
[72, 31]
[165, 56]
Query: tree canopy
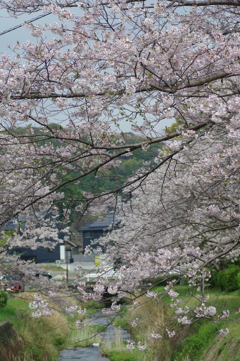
[108, 63]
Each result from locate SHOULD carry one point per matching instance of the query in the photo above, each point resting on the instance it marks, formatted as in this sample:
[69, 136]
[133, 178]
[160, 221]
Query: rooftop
[109, 220]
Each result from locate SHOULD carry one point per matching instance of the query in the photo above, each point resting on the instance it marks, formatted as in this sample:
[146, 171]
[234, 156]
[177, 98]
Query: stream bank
[92, 353]
[82, 354]
[9, 342]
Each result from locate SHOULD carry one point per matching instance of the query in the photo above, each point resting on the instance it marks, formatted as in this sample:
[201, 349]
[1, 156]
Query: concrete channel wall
[9, 342]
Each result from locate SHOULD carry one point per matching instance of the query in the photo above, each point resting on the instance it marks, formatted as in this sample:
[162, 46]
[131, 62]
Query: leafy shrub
[194, 345]
[229, 278]
[59, 340]
[3, 298]
[213, 282]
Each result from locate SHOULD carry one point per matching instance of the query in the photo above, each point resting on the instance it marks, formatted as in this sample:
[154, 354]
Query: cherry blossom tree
[182, 221]
[111, 63]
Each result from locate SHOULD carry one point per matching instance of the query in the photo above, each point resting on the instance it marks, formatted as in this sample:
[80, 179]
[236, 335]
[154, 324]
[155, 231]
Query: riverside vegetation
[43, 338]
[199, 341]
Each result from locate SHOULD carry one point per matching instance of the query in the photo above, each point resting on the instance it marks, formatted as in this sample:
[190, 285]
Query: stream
[92, 353]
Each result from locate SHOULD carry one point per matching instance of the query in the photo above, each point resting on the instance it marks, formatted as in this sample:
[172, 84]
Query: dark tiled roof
[110, 219]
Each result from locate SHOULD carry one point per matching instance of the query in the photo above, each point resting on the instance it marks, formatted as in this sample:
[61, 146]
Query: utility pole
[66, 256]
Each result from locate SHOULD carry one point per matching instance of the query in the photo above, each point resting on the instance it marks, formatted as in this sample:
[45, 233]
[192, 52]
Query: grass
[52, 268]
[99, 328]
[221, 300]
[223, 349]
[92, 307]
[123, 355]
[121, 322]
[203, 342]
[198, 342]
[42, 338]
[192, 347]
[118, 350]
[148, 313]
[83, 337]
[13, 310]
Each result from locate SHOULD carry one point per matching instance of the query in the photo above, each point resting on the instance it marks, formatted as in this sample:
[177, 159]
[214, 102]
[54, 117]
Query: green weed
[124, 355]
[194, 345]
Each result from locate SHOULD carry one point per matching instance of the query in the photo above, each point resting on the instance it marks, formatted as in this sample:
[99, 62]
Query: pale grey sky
[22, 34]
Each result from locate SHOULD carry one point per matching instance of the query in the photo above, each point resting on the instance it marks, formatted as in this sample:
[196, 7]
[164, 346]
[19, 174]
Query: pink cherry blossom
[67, 93]
[156, 335]
[224, 333]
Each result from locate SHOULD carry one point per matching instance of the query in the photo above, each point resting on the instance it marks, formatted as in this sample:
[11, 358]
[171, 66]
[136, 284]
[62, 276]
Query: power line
[32, 20]
[28, 22]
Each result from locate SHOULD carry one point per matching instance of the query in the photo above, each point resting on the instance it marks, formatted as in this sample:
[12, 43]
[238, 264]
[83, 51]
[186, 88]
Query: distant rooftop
[108, 220]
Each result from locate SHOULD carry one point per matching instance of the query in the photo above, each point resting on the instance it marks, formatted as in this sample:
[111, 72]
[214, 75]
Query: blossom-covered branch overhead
[66, 100]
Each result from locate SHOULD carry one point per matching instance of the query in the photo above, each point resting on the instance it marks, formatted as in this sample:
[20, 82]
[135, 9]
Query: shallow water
[92, 353]
[111, 331]
[83, 354]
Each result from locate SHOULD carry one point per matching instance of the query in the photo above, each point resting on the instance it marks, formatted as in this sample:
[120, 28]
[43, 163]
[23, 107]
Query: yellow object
[97, 261]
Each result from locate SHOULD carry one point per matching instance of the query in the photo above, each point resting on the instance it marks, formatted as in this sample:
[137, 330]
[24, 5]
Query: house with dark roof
[95, 230]
[42, 254]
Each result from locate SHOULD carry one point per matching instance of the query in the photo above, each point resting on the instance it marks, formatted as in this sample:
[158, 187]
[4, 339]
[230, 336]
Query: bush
[194, 345]
[229, 278]
[3, 298]
[58, 340]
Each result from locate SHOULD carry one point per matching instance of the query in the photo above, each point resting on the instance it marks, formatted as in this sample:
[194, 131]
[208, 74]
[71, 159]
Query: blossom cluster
[41, 306]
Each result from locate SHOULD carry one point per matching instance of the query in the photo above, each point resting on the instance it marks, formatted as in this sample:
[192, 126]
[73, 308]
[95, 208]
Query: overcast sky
[22, 34]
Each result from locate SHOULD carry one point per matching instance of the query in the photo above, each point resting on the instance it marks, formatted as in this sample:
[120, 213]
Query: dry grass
[64, 326]
[153, 316]
[83, 337]
[148, 313]
[43, 337]
[118, 345]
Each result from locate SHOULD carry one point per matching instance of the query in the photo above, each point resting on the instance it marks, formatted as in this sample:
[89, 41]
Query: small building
[60, 252]
[95, 230]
